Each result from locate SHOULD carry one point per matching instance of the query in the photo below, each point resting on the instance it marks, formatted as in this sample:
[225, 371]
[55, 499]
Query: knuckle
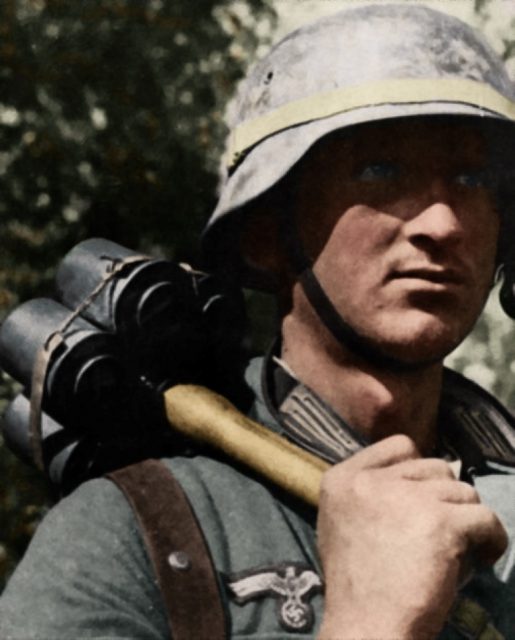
[342, 486]
[333, 481]
[328, 484]
[469, 493]
[444, 468]
[496, 538]
[487, 517]
[438, 468]
[404, 445]
[494, 523]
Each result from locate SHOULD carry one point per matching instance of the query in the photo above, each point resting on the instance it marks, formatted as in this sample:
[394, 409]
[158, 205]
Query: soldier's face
[403, 231]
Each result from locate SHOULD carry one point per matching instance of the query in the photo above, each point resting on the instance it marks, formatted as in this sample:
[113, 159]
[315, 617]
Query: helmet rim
[464, 79]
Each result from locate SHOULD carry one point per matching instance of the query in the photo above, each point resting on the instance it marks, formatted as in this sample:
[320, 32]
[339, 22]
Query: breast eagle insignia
[291, 584]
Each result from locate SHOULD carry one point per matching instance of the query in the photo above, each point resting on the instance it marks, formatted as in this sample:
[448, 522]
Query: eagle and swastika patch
[292, 584]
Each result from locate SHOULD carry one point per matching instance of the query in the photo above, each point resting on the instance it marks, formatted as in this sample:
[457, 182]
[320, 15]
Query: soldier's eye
[472, 178]
[378, 171]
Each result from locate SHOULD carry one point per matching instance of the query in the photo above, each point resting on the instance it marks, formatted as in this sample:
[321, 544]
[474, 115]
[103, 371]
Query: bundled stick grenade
[93, 362]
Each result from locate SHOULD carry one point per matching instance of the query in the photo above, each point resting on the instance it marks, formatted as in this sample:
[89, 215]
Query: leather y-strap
[177, 549]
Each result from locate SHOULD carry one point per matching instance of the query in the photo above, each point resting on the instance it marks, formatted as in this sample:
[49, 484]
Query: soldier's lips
[439, 278]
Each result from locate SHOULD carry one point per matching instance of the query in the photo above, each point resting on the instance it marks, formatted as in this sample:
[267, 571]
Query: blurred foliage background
[111, 125]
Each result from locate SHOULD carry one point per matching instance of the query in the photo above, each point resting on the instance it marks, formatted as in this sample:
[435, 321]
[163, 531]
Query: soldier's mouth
[442, 276]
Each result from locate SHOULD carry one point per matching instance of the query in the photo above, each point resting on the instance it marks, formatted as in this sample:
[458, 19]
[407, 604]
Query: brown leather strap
[178, 550]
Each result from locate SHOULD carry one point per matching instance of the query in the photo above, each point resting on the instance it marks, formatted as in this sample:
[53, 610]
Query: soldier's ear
[261, 245]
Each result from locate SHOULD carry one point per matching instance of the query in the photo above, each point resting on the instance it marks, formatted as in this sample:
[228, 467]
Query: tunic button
[179, 560]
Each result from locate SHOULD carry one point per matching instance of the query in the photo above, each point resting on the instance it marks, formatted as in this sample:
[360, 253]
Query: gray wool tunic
[87, 574]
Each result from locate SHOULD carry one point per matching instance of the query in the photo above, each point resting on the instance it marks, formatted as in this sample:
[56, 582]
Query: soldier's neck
[374, 400]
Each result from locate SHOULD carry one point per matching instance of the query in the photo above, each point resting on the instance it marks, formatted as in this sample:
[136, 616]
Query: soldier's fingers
[423, 469]
[452, 491]
[486, 536]
[385, 453]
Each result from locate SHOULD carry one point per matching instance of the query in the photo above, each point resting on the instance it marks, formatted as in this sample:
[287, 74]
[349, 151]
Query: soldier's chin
[405, 353]
[418, 353]
[419, 338]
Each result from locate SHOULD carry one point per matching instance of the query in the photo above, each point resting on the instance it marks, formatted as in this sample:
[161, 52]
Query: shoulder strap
[177, 549]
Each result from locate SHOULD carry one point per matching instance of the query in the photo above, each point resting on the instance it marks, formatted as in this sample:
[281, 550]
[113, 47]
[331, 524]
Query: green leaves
[111, 124]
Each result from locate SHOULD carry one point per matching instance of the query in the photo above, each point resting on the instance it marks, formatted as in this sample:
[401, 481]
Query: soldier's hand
[395, 535]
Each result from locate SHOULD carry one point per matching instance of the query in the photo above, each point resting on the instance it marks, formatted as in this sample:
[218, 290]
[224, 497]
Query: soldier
[368, 186]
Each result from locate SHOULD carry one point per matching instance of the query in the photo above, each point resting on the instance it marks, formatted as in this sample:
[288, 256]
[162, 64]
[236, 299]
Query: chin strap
[342, 330]
[336, 324]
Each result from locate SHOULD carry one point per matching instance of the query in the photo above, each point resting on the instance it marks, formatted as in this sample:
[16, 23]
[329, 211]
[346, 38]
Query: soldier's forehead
[458, 138]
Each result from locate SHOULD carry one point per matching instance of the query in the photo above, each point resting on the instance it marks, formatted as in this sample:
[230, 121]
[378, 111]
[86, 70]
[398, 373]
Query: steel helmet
[364, 64]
